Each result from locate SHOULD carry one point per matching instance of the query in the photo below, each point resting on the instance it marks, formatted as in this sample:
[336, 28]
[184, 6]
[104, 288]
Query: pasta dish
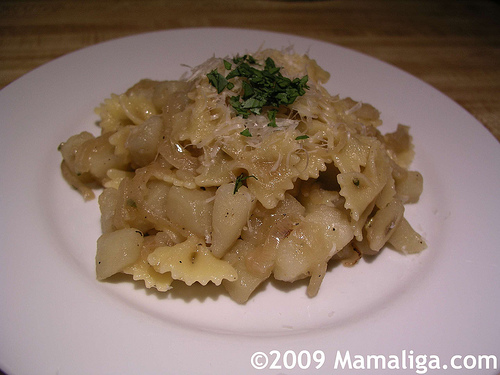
[245, 170]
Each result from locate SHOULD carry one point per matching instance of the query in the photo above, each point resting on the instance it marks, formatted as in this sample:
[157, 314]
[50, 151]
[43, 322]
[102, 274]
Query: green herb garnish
[271, 115]
[250, 59]
[131, 203]
[227, 65]
[305, 136]
[218, 80]
[262, 88]
[246, 133]
[239, 181]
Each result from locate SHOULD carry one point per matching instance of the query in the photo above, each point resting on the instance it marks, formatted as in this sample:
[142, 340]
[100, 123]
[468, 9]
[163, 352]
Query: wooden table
[453, 45]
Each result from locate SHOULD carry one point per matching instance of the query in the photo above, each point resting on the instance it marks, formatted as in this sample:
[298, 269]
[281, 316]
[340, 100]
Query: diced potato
[241, 289]
[191, 209]
[117, 250]
[144, 140]
[406, 240]
[383, 224]
[230, 215]
[323, 232]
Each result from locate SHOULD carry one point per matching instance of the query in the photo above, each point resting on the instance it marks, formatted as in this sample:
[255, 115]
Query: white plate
[56, 318]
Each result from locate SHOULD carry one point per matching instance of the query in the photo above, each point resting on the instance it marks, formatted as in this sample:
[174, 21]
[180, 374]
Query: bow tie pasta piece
[361, 188]
[354, 155]
[142, 270]
[191, 261]
[216, 170]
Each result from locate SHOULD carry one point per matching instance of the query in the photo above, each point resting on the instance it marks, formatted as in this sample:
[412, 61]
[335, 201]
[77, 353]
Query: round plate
[56, 318]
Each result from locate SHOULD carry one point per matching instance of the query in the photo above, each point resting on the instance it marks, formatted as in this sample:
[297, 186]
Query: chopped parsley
[271, 115]
[246, 133]
[219, 81]
[239, 181]
[264, 88]
[131, 203]
[249, 58]
[227, 65]
[305, 136]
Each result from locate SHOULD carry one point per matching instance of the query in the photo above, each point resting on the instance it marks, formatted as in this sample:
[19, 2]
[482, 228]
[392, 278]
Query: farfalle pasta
[247, 169]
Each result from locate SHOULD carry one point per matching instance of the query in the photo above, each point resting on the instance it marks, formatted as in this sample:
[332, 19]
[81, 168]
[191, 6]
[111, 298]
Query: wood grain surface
[452, 45]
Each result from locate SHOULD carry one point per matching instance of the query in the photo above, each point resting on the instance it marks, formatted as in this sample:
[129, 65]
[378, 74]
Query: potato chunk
[117, 250]
[231, 213]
